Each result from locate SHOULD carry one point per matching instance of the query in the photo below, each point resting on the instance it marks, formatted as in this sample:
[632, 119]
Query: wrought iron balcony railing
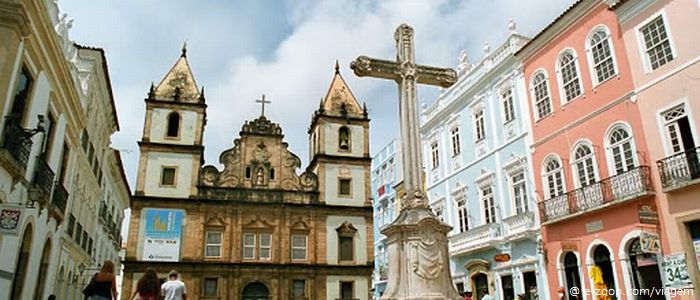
[17, 141]
[60, 198]
[680, 170]
[43, 180]
[622, 187]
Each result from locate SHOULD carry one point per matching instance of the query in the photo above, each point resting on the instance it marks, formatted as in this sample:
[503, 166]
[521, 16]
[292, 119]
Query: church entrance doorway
[645, 270]
[255, 291]
[571, 272]
[480, 282]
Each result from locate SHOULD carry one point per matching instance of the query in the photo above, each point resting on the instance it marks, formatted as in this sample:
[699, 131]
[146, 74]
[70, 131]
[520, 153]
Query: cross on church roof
[262, 103]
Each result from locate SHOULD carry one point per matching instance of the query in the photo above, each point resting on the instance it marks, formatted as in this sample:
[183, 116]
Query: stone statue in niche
[259, 177]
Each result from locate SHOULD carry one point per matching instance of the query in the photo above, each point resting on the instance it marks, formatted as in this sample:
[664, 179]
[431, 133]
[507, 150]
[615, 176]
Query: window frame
[296, 280]
[522, 183]
[249, 246]
[349, 132]
[340, 289]
[305, 248]
[546, 176]
[455, 140]
[609, 148]
[589, 54]
[533, 92]
[204, 287]
[560, 76]
[646, 62]
[488, 207]
[340, 184]
[575, 161]
[261, 247]
[207, 244]
[479, 119]
[435, 155]
[162, 176]
[508, 104]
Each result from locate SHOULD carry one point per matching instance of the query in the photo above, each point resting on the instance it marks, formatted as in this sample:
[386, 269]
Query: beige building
[52, 176]
[258, 228]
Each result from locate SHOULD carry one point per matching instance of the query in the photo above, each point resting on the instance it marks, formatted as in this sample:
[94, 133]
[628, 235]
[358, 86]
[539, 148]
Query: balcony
[519, 226]
[633, 184]
[59, 201]
[43, 180]
[16, 145]
[474, 239]
[680, 170]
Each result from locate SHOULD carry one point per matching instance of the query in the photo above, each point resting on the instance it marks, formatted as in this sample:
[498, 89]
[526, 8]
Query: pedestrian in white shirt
[173, 289]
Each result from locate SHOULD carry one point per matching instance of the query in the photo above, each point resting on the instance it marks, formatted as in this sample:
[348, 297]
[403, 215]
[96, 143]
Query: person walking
[486, 295]
[173, 289]
[467, 295]
[147, 287]
[103, 285]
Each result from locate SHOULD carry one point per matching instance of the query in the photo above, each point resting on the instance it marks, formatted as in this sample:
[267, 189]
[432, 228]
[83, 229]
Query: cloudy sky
[239, 50]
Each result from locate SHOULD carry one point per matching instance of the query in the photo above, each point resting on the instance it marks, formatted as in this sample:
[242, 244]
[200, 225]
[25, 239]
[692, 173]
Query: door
[571, 272]
[507, 287]
[255, 291]
[682, 144]
[530, 284]
[480, 282]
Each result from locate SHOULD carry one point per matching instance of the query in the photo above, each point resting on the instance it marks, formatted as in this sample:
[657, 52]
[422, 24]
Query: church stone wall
[330, 185]
[183, 165]
[159, 125]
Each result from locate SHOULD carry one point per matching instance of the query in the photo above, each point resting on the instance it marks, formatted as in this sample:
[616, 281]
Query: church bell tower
[339, 146]
[171, 145]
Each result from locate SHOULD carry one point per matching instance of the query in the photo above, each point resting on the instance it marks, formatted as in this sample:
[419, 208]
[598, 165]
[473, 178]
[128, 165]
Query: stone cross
[407, 74]
[262, 102]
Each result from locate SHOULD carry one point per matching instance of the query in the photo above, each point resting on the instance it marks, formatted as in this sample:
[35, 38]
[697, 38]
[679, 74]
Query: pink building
[592, 166]
[663, 47]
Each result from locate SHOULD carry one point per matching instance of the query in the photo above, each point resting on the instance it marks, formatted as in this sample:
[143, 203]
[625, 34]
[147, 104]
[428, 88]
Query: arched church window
[344, 139]
[173, 124]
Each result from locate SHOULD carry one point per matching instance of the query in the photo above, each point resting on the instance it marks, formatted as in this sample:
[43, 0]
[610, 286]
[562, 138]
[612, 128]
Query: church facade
[256, 227]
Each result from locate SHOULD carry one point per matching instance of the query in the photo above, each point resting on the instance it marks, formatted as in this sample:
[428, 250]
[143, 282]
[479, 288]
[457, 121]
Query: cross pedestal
[419, 264]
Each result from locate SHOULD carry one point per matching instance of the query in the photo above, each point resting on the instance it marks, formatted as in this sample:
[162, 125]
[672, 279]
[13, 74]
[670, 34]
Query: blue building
[479, 179]
[386, 175]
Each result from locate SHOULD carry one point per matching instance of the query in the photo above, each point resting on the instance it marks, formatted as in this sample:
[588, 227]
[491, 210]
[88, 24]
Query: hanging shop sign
[162, 234]
[502, 257]
[675, 271]
[648, 213]
[649, 242]
[10, 219]
[569, 246]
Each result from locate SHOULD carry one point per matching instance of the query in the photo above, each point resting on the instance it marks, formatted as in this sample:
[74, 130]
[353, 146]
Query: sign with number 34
[675, 271]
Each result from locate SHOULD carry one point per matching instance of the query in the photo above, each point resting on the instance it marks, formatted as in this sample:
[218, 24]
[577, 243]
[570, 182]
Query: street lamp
[33, 193]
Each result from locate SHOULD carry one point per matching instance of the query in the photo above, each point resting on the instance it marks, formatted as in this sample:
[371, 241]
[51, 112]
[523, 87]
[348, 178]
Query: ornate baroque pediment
[259, 159]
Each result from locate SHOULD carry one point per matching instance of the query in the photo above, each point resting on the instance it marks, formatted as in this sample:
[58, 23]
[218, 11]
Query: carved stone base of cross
[419, 266]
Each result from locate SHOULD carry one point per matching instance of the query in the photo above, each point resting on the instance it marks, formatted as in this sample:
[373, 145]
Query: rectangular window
[249, 246]
[434, 154]
[518, 182]
[167, 178]
[489, 206]
[212, 247]
[78, 232]
[71, 225]
[265, 246]
[51, 126]
[454, 133]
[298, 288]
[21, 98]
[63, 164]
[211, 287]
[299, 242]
[462, 215]
[344, 187]
[345, 248]
[656, 43]
[346, 290]
[479, 125]
[85, 140]
[508, 108]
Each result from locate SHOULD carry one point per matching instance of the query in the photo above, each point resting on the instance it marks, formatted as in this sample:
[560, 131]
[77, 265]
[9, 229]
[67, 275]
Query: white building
[475, 140]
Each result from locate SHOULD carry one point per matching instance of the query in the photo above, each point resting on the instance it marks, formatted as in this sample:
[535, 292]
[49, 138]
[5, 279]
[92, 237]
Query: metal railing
[621, 187]
[16, 141]
[43, 179]
[680, 169]
[60, 198]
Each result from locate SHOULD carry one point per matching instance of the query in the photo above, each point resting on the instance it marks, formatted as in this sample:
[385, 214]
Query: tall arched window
[173, 124]
[584, 164]
[344, 138]
[569, 76]
[553, 178]
[601, 55]
[543, 105]
[621, 150]
[22, 262]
